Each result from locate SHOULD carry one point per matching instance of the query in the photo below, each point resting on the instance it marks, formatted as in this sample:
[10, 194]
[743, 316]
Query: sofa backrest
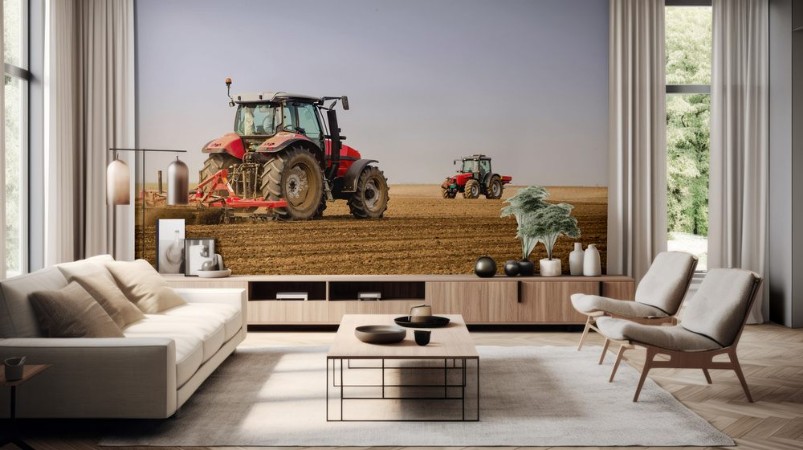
[17, 318]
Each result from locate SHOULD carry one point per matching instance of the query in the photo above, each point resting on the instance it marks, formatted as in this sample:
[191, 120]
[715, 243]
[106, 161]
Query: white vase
[576, 259]
[550, 267]
[591, 262]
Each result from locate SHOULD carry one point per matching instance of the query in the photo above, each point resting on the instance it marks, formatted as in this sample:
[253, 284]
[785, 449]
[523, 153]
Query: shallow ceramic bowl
[380, 334]
[214, 273]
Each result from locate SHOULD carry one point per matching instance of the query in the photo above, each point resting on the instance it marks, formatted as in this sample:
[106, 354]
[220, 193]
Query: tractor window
[289, 117]
[308, 121]
[485, 166]
[469, 165]
[256, 120]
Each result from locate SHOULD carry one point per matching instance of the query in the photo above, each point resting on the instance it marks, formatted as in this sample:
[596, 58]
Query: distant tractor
[285, 157]
[475, 178]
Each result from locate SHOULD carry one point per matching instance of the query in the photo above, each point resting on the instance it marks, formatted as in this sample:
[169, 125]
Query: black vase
[512, 268]
[526, 268]
[485, 267]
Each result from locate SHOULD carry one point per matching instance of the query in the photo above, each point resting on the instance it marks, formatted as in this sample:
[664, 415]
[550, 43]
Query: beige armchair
[712, 323]
[657, 299]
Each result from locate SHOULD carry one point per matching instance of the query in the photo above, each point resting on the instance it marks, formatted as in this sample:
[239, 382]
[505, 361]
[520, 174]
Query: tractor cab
[479, 165]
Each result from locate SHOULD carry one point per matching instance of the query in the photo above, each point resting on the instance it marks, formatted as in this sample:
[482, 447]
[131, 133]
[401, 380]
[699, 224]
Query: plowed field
[421, 233]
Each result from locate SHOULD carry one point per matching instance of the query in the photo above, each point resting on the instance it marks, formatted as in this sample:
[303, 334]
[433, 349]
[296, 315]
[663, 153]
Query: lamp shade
[118, 181]
[178, 183]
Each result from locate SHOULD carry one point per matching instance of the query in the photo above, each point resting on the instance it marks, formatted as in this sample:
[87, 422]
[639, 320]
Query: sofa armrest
[233, 296]
[95, 377]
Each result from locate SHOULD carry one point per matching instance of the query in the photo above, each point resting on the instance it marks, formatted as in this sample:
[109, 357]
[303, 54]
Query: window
[688, 118]
[14, 176]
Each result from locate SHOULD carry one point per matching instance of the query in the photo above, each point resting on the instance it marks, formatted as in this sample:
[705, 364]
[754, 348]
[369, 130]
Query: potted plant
[547, 225]
[524, 204]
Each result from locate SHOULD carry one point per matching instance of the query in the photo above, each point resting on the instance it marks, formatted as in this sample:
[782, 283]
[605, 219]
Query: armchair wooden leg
[647, 365]
[585, 332]
[604, 350]
[738, 369]
[707, 375]
[619, 355]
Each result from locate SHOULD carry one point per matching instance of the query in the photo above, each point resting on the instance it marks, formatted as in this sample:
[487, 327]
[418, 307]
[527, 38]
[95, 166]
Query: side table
[29, 371]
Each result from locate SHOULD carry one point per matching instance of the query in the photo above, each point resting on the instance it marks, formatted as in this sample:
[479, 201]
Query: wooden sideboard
[498, 300]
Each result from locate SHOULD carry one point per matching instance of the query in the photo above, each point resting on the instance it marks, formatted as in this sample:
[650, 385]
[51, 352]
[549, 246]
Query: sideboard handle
[518, 291]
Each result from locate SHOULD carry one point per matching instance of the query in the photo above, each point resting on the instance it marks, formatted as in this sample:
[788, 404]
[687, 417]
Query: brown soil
[421, 233]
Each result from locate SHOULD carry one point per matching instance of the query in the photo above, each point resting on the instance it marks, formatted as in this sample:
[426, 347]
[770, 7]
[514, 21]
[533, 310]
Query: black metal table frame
[14, 437]
[332, 362]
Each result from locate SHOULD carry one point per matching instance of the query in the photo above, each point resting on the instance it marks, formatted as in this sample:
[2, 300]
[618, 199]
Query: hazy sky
[524, 81]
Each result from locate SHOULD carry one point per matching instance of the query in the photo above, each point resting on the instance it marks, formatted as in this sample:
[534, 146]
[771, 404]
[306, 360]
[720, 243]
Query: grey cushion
[72, 312]
[589, 304]
[719, 307]
[17, 318]
[668, 337]
[665, 283]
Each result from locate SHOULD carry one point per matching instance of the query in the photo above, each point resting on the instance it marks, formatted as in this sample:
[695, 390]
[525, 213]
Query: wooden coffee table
[402, 381]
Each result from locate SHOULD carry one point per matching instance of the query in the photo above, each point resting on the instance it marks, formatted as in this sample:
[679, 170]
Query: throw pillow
[100, 284]
[72, 312]
[143, 286]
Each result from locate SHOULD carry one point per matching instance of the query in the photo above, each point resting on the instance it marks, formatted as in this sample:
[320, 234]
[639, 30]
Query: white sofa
[149, 373]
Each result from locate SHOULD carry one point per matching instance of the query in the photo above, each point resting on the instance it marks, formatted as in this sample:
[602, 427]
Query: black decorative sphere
[512, 268]
[485, 267]
[526, 268]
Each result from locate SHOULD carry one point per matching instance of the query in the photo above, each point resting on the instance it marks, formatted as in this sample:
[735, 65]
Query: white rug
[530, 396]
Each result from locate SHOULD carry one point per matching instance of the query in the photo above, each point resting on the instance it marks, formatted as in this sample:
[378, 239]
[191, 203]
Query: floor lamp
[118, 187]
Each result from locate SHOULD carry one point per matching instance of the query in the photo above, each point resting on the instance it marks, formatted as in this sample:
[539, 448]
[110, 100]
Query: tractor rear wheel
[472, 189]
[213, 164]
[495, 188]
[296, 176]
[371, 198]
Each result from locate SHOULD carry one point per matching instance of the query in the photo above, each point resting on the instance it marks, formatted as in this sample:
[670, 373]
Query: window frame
[680, 89]
[23, 74]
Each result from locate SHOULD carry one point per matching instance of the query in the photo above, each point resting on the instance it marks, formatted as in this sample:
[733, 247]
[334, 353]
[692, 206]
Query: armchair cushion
[589, 304]
[719, 306]
[665, 283]
[72, 312]
[668, 337]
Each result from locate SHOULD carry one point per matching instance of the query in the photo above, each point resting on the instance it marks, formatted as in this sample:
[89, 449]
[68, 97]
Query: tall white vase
[591, 263]
[576, 259]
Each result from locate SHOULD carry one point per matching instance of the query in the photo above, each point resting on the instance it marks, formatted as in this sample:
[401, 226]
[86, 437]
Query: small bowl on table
[380, 334]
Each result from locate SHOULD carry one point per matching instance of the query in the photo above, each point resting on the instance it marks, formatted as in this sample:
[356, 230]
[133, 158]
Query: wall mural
[431, 156]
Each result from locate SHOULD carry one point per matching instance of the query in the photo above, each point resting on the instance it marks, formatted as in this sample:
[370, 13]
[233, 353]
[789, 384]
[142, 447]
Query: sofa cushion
[143, 285]
[94, 277]
[230, 315]
[72, 312]
[206, 336]
[17, 318]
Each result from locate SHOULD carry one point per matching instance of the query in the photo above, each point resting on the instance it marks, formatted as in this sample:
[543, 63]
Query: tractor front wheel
[472, 189]
[215, 163]
[371, 198]
[495, 189]
[448, 193]
[296, 176]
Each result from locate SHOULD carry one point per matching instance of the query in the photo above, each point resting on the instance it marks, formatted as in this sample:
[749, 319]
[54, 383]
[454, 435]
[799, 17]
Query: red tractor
[475, 178]
[284, 156]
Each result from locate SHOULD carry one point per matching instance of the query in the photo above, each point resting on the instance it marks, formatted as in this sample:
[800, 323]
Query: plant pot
[526, 268]
[550, 267]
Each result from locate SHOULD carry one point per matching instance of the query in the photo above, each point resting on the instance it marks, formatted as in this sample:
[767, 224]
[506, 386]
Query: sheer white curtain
[2, 167]
[89, 107]
[637, 128]
[739, 138]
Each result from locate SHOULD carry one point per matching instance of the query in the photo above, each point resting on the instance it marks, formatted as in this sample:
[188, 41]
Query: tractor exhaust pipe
[337, 142]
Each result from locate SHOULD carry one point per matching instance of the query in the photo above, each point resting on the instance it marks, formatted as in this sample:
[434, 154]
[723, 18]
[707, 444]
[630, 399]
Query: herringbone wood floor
[771, 356]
